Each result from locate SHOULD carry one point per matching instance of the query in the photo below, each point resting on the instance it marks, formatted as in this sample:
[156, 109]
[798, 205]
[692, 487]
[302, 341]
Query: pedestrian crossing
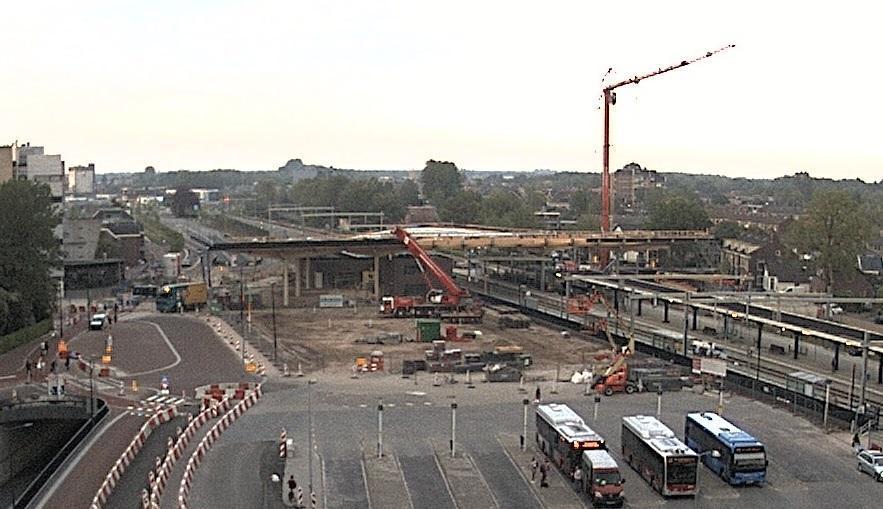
[155, 403]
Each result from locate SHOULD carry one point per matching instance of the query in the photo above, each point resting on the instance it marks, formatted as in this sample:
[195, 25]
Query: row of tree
[28, 252]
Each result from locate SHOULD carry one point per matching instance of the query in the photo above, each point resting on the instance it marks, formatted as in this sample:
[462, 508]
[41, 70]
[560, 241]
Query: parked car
[871, 462]
[97, 322]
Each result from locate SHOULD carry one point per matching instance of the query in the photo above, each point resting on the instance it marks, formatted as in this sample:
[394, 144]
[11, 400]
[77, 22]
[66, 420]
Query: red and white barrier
[176, 449]
[209, 439]
[112, 477]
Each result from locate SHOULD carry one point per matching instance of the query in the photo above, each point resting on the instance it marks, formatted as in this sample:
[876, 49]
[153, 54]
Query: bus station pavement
[808, 467]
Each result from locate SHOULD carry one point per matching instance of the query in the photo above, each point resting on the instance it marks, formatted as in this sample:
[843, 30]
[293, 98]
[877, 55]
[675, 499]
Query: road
[808, 468]
[146, 347]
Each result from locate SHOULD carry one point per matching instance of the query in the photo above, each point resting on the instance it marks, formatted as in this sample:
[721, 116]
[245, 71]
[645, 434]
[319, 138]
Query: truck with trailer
[181, 297]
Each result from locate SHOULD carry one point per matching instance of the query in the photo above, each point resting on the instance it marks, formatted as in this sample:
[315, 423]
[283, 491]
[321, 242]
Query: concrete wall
[81, 179]
[25, 450]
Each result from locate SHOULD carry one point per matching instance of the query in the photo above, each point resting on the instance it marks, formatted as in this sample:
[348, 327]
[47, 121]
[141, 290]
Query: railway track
[772, 371]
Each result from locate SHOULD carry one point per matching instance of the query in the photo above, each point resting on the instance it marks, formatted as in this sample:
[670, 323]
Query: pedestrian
[544, 471]
[67, 362]
[292, 484]
[28, 369]
[833, 364]
[44, 347]
[534, 465]
[856, 443]
[578, 477]
[52, 366]
[537, 394]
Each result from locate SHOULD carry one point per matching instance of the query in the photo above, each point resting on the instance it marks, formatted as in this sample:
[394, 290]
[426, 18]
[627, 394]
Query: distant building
[207, 195]
[7, 162]
[769, 263]
[627, 181]
[421, 214]
[81, 180]
[32, 163]
[297, 170]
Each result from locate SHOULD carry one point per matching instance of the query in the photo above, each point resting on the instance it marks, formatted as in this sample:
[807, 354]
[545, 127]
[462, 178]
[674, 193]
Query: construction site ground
[328, 339]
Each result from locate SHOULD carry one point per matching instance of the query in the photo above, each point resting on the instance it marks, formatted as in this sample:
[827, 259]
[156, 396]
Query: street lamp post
[380, 429]
[310, 430]
[659, 401]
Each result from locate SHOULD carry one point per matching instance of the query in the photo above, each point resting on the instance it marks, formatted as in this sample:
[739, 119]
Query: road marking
[171, 347]
[531, 487]
[45, 494]
[444, 477]
[8, 377]
[365, 481]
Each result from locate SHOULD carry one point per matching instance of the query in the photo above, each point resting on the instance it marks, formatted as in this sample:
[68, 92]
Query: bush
[25, 335]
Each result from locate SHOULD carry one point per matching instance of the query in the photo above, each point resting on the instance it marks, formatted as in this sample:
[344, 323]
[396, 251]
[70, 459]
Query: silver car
[872, 463]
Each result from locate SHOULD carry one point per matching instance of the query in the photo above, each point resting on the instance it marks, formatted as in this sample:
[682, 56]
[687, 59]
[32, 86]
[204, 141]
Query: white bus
[653, 450]
[562, 435]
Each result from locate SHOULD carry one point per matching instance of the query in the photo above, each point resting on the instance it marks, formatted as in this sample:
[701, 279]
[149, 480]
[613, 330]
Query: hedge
[25, 335]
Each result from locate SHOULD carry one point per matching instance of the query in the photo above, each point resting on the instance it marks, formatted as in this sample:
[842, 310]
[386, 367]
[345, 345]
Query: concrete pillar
[616, 299]
[297, 262]
[796, 344]
[376, 277]
[484, 275]
[308, 274]
[836, 363]
[665, 311]
[695, 310]
[285, 282]
[640, 301]
[880, 371]
[543, 277]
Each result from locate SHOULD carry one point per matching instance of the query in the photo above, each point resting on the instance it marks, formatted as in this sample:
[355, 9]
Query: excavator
[450, 303]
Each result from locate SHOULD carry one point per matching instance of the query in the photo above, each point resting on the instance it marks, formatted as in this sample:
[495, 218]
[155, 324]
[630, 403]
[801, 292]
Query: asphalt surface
[127, 493]
[138, 347]
[808, 468]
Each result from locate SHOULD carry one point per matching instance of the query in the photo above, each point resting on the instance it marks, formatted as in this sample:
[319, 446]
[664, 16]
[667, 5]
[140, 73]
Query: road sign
[714, 367]
[164, 385]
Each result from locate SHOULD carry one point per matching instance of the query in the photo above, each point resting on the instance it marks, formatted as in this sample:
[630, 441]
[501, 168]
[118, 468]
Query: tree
[28, 252]
[834, 230]
[462, 208]
[506, 209]
[409, 193]
[728, 230]
[678, 212]
[441, 181]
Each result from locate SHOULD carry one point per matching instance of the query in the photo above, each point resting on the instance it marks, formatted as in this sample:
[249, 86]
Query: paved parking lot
[807, 467]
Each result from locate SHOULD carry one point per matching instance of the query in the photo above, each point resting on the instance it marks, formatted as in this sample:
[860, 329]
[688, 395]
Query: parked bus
[742, 457]
[562, 435]
[653, 450]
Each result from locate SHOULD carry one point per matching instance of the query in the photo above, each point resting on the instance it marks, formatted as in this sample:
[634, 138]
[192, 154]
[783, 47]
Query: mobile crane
[450, 303]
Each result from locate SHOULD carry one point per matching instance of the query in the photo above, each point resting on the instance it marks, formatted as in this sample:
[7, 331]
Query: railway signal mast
[610, 100]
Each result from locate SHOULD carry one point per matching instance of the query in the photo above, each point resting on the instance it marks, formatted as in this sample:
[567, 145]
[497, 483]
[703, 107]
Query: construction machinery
[450, 303]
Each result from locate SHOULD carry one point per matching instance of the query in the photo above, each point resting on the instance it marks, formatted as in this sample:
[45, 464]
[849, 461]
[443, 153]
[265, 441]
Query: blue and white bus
[742, 457]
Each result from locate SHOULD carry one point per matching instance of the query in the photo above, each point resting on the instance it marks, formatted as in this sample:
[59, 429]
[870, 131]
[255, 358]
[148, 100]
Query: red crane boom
[427, 263]
[610, 100]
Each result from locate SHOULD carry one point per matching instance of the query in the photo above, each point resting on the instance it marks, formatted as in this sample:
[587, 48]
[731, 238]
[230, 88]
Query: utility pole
[453, 428]
[610, 100]
[865, 345]
[524, 402]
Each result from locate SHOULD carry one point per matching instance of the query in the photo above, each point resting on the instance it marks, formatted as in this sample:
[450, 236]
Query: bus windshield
[682, 471]
[748, 461]
[602, 478]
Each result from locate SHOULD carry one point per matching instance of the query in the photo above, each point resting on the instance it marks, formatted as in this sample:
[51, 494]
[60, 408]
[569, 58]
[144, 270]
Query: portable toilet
[428, 329]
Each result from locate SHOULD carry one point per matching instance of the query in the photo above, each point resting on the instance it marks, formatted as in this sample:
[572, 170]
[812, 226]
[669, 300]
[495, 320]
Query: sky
[491, 85]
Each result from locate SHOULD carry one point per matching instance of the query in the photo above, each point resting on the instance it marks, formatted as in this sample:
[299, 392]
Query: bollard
[300, 371]
[524, 402]
[659, 402]
[595, 412]
[521, 384]
[435, 382]
[469, 383]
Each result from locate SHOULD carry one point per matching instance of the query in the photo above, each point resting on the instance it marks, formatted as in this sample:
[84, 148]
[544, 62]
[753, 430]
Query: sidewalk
[386, 485]
[560, 494]
[297, 465]
[464, 480]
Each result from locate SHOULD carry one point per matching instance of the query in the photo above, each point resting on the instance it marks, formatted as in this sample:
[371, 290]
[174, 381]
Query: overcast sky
[504, 85]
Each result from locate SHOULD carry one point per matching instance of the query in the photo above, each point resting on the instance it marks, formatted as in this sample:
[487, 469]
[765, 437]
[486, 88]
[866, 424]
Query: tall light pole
[525, 402]
[380, 428]
[273, 303]
[453, 428]
[310, 430]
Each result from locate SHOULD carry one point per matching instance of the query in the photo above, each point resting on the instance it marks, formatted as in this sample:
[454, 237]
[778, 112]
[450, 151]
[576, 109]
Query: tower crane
[610, 100]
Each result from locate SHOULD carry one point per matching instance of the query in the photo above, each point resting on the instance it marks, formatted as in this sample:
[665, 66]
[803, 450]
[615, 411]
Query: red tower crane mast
[452, 290]
[610, 100]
